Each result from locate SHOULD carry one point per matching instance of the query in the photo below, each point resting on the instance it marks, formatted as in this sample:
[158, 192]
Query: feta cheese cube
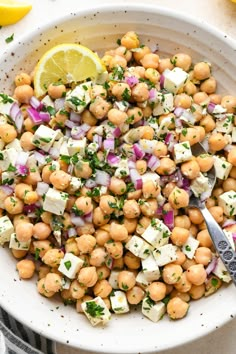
[92, 148]
[17, 245]
[6, 229]
[219, 111]
[75, 184]
[79, 98]
[225, 125]
[119, 302]
[199, 185]
[7, 157]
[76, 146]
[227, 201]
[233, 134]
[151, 176]
[154, 311]
[15, 144]
[113, 279]
[55, 201]
[47, 101]
[96, 311]
[8, 178]
[174, 79]
[139, 247]
[142, 280]
[70, 265]
[44, 137]
[182, 152]
[150, 269]
[165, 254]
[157, 233]
[164, 105]
[6, 103]
[221, 272]
[63, 147]
[122, 169]
[190, 246]
[222, 167]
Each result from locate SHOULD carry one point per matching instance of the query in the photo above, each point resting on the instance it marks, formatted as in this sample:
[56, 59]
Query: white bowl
[99, 29]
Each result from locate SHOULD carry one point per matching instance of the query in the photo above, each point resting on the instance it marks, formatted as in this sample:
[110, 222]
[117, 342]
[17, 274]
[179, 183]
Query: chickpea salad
[96, 178]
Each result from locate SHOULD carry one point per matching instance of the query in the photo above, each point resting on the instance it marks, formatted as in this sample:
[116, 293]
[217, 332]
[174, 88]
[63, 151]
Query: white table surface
[219, 13]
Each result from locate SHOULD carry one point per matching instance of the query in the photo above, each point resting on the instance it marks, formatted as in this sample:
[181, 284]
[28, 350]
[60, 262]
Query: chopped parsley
[67, 265]
[10, 39]
[94, 310]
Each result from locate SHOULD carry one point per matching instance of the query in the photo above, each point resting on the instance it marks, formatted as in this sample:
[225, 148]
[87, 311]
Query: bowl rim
[108, 7]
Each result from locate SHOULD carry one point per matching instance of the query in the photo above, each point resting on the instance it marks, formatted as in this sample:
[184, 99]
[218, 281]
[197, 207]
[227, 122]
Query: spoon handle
[221, 243]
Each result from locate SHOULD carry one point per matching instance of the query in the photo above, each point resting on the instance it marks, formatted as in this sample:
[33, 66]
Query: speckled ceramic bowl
[99, 29]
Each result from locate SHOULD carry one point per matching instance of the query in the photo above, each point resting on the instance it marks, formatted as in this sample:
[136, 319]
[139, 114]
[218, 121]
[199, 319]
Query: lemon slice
[66, 63]
[11, 11]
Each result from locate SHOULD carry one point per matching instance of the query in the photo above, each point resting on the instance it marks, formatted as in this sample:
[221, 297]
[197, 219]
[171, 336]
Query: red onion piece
[88, 217]
[211, 107]
[45, 116]
[72, 232]
[68, 133]
[30, 208]
[35, 103]
[178, 123]
[136, 179]
[168, 138]
[70, 124]
[85, 127]
[109, 144]
[162, 81]
[159, 211]
[22, 158]
[169, 219]
[205, 144]
[152, 94]
[77, 133]
[17, 116]
[98, 140]
[102, 178]
[90, 183]
[153, 163]
[22, 170]
[59, 103]
[112, 159]
[179, 178]
[70, 169]
[178, 111]
[75, 117]
[131, 80]
[212, 265]
[42, 188]
[131, 164]
[54, 152]
[8, 190]
[34, 115]
[77, 220]
[117, 132]
[40, 158]
[139, 153]
[229, 222]
[234, 236]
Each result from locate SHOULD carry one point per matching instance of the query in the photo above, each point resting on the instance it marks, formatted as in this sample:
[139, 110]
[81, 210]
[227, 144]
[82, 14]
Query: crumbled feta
[165, 254]
[190, 246]
[233, 135]
[151, 176]
[63, 148]
[44, 137]
[96, 311]
[174, 79]
[154, 311]
[227, 201]
[139, 247]
[92, 148]
[79, 98]
[15, 144]
[225, 125]
[157, 233]
[6, 103]
[150, 268]
[8, 178]
[55, 201]
[75, 184]
[199, 185]
[6, 229]
[17, 245]
[76, 146]
[164, 126]
[70, 265]
[113, 279]
[182, 152]
[47, 101]
[164, 105]
[7, 157]
[222, 167]
[221, 272]
[142, 280]
[122, 169]
[219, 111]
[119, 302]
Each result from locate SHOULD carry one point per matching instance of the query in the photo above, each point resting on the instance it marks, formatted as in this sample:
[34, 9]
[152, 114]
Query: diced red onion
[98, 140]
[211, 107]
[70, 124]
[178, 123]
[30, 208]
[179, 178]
[212, 265]
[169, 219]
[22, 170]
[88, 217]
[77, 133]
[112, 159]
[139, 153]
[131, 164]
[109, 144]
[34, 115]
[14, 110]
[70, 169]
[186, 184]
[77, 220]
[136, 179]
[234, 236]
[159, 211]
[42, 188]
[40, 158]
[162, 81]
[85, 127]
[205, 144]
[59, 103]
[45, 116]
[152, 94]
[90, 183]
[140, 123]
[22, 158]
[68, 133]
[72, 232]
[8, 190]
[153, 163]
[102, 178]
[35, 103]
[17, 116]
[178, 111]
[19, 120]
[117, 132]
[168, 138]
[75, 117]
[205, 195]
[131, 80]
[229, 222]
[54, 152]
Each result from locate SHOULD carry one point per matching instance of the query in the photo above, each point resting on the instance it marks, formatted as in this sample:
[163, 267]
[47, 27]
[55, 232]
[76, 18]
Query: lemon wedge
[66, 63]
[12, 11]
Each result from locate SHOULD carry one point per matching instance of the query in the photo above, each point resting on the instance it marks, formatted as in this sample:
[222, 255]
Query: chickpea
[197, 291]
[22, 79]
[139, 54]
[23, 93]
[171, 273]
[183, 284]
[190, 169]
[140, 92]
[108, 203]
[181, 258]
[24, 231]
[210, 202]
[160, 149]
[126, 280]
[83, 170]
[131, 209]
[167, 166]
[84, 204]
[99, 107]
[229, 184]
[135, 113]
[22, 189]
[183, 100]
[141, 166]
[20, 218]
[182, 221]
[121, 90]
[71, 246]
[201, 98]
[177, 308]
[26, 268]
[77, 291]
[229, 102]
[165, 64]
[102, 288]
[217, 142]
[60, 180]
[41, 231]
[149, 189]
[130, 225]
[102, 237]
[46, 173]
[157, 291]
[195, 216]
[13, 205]
[193, 230]
[209, 85]
[42, 290]
[179, 236]
[232, 156]
[53, 282]
[203, 255]
[31, 197]
[99, 217]
[114, 249]
[7, 133]
[196, 274]
[233, 172]
[18, 253]
[103, 272]
[217, 213]
[189, 88]
[178, 198]
[135, 295]
[204, 238]
[150, 60]
[56, 90]
[147, 132]
[130, 40]
[87, 276]
[131, 261]
[191, 135]
[117, 60]
[86, 243]
[87, 228]
[205, 162]
[118, 232]
[208, 123]
[127, 54]
[182, 60]
[188, 263]
[201, 71]
[153, 75]
[53, 257]
[87, 117]
[33, 178]
[98, 257]
[41, 247]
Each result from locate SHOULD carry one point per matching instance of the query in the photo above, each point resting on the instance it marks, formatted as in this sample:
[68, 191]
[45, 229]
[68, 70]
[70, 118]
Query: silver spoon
[220, 241]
